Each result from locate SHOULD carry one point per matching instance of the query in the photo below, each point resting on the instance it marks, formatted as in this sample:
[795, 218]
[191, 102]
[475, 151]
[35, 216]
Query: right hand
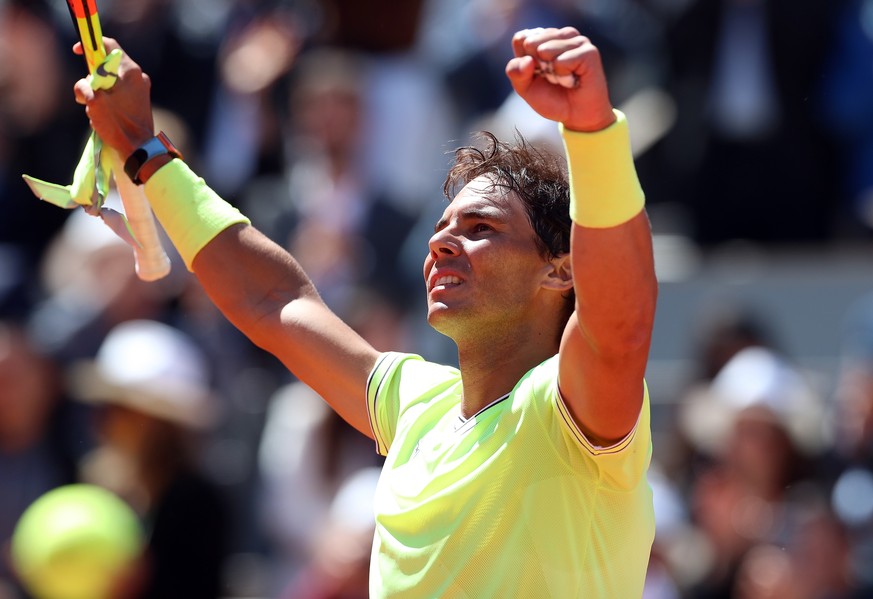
[585, 107]
[122, 115]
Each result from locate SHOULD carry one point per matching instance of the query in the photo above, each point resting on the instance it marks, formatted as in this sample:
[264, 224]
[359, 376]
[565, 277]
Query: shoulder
[409, 374]
[405, 388]
[539, 385]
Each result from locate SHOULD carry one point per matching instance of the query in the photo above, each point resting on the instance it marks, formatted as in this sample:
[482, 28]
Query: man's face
[483, 270]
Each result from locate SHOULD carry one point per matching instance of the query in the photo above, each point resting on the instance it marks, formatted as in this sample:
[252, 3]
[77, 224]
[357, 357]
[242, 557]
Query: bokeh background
[329, 123]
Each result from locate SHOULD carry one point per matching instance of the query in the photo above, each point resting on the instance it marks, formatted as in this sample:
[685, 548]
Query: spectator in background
[749, 157]
[178, 47]
[89, 285]
[719, 332]
[152, 386]
[405, 103]
[325, 208]
[401, 95]
[37, 438]
[307, 453]
[243, 138]
[850, 471]
[39, 134]
[725, 330]
[761, 424]
[811, 563]
[847, 95]
[683, 552]
[339, 565]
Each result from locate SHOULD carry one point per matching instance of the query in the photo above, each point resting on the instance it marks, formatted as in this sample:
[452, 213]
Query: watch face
[158, 145]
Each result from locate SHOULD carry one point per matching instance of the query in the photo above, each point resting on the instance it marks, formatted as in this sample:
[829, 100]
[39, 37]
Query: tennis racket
[152, 262]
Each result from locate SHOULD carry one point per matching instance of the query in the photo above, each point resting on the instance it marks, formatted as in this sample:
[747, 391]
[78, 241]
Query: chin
[452, 323]
[436, 315]
[440, 318]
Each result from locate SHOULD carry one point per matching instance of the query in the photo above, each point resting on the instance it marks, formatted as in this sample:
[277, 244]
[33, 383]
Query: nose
[443, 244]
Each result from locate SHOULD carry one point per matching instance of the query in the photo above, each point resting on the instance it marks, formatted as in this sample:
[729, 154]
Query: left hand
[585, 107]
[121, 115]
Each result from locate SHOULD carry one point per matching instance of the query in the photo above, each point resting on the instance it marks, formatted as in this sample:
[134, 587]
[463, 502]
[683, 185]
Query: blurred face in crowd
[27, 391]
[124, 429]
[760, 450]
[326, 102]
[330, 115]
[28, 45]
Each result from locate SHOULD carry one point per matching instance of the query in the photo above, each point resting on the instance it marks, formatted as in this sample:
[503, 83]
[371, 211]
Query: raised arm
[606, 343]
[258, 286]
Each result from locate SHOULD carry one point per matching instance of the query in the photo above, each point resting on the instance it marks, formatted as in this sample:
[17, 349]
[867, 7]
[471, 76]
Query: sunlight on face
[484, 269]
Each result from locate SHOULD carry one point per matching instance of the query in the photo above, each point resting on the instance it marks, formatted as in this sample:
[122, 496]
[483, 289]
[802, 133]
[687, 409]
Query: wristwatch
[159, 145]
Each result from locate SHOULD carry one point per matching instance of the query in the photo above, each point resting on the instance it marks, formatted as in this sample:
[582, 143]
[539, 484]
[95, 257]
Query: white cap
[152, 368]
[755, 377]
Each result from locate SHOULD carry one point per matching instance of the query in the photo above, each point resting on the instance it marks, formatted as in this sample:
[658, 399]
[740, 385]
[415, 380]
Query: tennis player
[523, 472]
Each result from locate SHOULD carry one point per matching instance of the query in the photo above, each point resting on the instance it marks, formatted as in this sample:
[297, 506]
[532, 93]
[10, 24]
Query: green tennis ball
[74, 542]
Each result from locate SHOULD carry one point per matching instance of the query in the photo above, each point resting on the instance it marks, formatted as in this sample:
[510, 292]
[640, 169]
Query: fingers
[110, 43]
[527, 42]
[552, 50]
[559, 51]
[521, 71]
[558, 72]
[83, 91]
[580, 60]
[126, 70]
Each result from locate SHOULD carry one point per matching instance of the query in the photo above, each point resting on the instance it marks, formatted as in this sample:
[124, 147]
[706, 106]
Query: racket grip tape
[152, 262]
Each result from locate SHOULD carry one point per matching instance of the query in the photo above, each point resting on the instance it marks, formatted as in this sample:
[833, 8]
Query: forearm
[251, 280]
[241, 269]
[611, 249]
[191, 213]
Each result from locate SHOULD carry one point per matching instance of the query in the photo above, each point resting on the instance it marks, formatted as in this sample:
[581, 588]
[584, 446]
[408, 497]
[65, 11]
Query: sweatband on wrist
[191, 213]
[604, 188]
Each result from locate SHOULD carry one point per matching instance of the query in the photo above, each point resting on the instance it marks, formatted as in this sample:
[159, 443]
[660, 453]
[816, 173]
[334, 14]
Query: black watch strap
[157, 146]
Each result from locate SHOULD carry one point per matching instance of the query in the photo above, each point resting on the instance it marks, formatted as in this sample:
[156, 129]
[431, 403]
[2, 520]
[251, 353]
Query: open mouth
[445, 281]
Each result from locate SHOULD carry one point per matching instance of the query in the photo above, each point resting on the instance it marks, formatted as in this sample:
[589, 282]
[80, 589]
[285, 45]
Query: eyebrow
[490, 214]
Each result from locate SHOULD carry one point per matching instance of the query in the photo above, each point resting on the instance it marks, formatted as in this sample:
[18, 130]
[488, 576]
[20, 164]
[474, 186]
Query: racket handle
[152, 262]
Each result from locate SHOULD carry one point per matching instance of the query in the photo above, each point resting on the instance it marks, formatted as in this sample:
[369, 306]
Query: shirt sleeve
[399, 390]
[383, 405]
[622, 464]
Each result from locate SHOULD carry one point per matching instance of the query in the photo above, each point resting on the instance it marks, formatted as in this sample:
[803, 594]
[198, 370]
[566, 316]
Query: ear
[559, 274]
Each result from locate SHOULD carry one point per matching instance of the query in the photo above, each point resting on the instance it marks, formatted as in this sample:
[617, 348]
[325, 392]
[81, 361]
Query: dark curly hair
[537, 177]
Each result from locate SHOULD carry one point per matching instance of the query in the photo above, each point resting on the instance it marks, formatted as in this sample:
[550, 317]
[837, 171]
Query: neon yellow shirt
[514, 502]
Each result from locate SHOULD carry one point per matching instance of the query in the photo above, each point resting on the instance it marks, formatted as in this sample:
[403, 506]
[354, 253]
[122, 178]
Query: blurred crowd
[328, 123]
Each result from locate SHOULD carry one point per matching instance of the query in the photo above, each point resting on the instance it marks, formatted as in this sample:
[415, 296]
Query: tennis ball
[74, 542]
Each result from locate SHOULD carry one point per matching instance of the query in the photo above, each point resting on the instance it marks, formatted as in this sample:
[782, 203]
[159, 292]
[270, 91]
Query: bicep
[605, 345]
[604, 393]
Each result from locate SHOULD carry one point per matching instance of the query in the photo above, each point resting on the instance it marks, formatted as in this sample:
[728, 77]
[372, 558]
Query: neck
[490, 368]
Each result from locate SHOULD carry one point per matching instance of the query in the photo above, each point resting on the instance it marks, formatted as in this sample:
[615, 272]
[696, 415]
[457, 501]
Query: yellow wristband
[191, 213]
[604, 189]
